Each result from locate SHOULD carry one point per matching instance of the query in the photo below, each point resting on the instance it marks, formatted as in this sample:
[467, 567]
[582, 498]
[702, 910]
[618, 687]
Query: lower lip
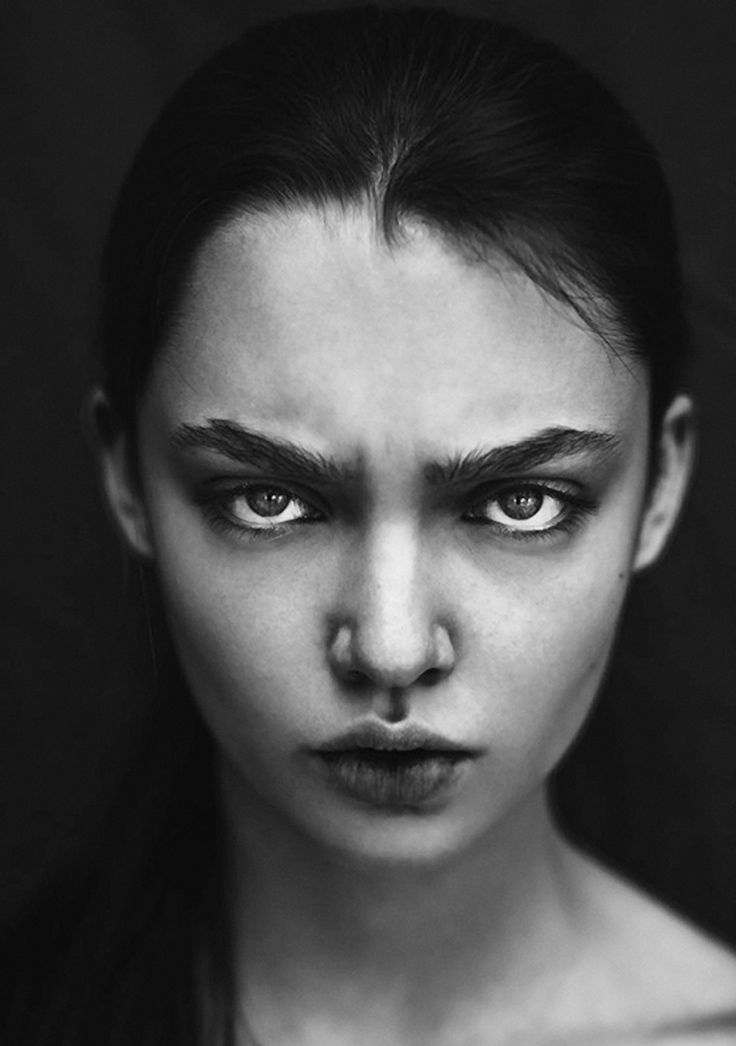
[393, 780]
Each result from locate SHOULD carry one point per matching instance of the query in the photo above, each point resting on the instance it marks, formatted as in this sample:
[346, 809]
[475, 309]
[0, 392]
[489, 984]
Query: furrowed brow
[514, 458]
[247, 447]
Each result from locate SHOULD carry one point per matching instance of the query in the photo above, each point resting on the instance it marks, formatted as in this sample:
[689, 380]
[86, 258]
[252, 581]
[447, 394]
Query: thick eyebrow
[286, 458]
[527, 454]
[245, 446]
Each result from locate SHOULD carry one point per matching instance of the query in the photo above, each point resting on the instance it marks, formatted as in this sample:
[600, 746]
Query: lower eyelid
[575, 509]
[568, 517]
[220, 522]
[214, 506]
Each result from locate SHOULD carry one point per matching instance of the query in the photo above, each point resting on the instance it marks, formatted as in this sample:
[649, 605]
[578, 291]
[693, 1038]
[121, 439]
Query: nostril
[362, 658]
[355, 678]
[432, 677]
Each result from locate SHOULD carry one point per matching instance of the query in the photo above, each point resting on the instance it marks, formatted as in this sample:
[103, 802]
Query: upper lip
[393, 739]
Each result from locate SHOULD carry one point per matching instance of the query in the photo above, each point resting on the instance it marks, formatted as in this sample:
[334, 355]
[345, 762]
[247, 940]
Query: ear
[120, 487]
[675, 453]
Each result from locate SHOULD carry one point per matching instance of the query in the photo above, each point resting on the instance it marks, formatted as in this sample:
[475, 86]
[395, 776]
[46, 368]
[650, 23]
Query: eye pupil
[521, 504]
[266, 501]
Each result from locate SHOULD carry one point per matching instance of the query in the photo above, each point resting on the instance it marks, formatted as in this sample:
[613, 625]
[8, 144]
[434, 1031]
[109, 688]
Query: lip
[385, 738]
[396, 769]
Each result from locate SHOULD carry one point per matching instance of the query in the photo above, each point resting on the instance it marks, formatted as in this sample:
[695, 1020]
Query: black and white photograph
[368, 632]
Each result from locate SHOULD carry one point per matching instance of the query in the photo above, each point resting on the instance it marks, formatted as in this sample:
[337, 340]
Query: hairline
[580, 298]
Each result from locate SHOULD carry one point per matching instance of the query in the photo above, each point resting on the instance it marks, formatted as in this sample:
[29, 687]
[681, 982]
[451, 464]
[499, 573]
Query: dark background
[652, 785]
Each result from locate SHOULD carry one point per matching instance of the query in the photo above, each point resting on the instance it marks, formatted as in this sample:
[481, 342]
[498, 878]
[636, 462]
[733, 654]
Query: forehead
[308, 323]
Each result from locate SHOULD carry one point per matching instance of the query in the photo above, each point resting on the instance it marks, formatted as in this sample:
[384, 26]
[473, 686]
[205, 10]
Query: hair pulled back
[503, 145]
[501, 142]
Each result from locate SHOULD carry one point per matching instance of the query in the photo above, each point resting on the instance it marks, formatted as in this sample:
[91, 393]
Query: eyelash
[213, 506]
[576, 508]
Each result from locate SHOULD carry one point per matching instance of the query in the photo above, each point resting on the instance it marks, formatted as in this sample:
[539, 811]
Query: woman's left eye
[526, 509]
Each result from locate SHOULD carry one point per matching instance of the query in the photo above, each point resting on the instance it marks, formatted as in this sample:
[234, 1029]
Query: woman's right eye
[259, 507]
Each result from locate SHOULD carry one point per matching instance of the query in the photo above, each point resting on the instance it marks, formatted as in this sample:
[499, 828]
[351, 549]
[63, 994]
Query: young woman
[391, 413]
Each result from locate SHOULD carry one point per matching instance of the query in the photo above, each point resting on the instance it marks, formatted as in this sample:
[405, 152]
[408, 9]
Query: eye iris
[521, 504]
[267, 502]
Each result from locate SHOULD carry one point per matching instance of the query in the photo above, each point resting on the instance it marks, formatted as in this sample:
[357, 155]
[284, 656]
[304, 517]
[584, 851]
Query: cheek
[538, 650]
[246, 642]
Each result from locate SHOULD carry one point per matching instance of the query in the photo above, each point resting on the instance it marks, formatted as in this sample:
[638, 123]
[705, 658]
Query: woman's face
[389, 494]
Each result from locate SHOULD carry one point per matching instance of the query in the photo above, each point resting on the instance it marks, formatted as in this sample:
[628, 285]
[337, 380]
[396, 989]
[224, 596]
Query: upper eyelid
[532, 480]
[575, 505]
[229, 492]
[224, 486]
[494, 488]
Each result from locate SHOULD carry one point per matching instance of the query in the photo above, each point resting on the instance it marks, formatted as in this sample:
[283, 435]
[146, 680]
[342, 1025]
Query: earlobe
[120, 488]
[674, 464]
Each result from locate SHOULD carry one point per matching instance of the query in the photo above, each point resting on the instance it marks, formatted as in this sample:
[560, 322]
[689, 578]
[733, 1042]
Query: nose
[389, 632]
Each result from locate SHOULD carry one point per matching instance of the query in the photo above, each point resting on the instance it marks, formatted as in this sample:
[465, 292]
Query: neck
[322, 938]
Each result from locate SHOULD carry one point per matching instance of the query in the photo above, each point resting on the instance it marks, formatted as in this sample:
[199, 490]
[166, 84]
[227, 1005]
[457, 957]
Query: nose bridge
[392, 610]
[390, 569]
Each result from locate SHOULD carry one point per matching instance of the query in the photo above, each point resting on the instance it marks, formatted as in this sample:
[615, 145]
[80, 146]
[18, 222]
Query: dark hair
[502, 144]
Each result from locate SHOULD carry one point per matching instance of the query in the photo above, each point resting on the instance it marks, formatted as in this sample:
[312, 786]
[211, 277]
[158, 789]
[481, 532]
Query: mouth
[393, 769]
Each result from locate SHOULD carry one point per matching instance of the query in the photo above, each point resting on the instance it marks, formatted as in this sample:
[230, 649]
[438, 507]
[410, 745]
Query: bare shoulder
[654, 967]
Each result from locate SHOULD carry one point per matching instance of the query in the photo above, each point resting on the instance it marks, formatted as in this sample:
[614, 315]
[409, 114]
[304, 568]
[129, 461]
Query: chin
[397, 846]
[319, 823]
[398, 840]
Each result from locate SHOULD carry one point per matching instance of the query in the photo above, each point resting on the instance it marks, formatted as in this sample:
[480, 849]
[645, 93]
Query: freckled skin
[308, 328]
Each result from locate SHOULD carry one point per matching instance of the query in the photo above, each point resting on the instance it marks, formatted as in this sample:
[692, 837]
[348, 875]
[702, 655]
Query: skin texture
[313, 331]
[383, 597]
